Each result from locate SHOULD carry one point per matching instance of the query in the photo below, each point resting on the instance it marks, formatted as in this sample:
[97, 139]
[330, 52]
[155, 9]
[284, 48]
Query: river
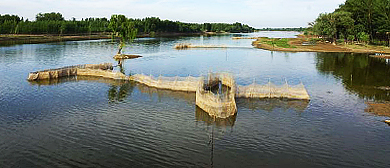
[92, 122]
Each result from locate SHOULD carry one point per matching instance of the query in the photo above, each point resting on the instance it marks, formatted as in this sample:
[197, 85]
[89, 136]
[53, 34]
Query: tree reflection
[272, 104]
[119, 93]
[201, 115]
[359, 73]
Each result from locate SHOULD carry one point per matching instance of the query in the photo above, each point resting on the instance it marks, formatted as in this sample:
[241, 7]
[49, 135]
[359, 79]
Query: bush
[340, 41]
[363, 37]
[351, 37]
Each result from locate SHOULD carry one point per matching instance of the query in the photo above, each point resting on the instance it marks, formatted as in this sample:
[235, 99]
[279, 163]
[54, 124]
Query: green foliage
[300, 29]
[340, 41]
[351, 37]
[334, 25]
[314, 40]
[369, 16]
[325, 26]
[283, 42]
[54, 23]
[122, 27]
[9, 24]
[152, 34]
[7, 17]
[154, 24]
[344, 23]
[49, 17]
[363, 37]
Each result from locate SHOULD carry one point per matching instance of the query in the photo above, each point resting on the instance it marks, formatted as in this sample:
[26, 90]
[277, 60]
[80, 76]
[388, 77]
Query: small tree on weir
[123, 28]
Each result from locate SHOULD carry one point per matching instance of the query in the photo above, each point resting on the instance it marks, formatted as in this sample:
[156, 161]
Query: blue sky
[256, 13]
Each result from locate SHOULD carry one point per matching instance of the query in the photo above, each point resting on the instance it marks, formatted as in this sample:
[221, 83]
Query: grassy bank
[314, 45]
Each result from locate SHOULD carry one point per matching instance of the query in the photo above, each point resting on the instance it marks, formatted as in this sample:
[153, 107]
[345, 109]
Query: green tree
[325, 26]
[49, 17]
[365, 13]
[123, 28]
[334, 25]
[344, 23]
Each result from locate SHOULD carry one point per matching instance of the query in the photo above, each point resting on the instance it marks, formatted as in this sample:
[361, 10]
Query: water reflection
[272, 104]
[119, 93]
[201, 115]
[359, 73]
[119, 89]
[52, 52]
[77, 79]
[162, 93]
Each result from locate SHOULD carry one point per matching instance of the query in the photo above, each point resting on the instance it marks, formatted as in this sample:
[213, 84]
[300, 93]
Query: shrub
[363, 37]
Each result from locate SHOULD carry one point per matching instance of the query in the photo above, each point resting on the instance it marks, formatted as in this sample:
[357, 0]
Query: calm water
[91, 122]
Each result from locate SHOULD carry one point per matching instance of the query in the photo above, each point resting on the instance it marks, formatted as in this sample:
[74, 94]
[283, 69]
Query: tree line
[54, 23]
[300, 29]
[362, 20]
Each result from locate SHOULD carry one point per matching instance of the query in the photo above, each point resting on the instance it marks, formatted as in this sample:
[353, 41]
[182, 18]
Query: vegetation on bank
[300, 29]
[277, 42]
[306, 44]
[366, 21]
[54, 23]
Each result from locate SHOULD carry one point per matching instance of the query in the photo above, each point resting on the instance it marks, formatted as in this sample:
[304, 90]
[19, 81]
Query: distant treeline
[54, 23]
[300, 29]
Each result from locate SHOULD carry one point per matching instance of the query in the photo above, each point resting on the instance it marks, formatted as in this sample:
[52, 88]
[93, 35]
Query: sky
[256, 13]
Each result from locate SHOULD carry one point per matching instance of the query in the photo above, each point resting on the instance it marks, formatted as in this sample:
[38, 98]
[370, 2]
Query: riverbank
[11, 39]
[309, 45]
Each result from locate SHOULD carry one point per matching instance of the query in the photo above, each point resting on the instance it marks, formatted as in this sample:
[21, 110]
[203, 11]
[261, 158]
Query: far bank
[11, 39]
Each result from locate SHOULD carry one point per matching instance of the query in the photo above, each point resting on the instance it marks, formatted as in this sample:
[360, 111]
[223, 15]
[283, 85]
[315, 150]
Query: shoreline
[301, 45]
[12, 39]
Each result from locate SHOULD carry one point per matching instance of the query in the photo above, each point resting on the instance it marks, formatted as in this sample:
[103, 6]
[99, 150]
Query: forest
[54, 23]
[356, 20]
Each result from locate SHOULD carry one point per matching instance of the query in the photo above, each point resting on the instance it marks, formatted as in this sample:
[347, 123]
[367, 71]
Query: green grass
[283, 43]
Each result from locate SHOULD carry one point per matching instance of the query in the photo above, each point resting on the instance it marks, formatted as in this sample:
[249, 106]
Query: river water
[91, 122]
